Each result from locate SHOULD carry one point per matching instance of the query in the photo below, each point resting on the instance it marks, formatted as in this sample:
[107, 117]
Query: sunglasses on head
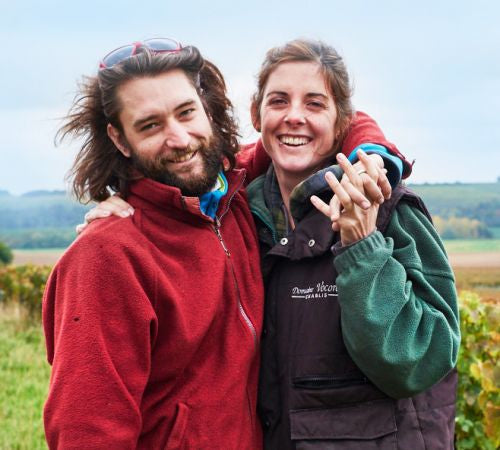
[156, 45]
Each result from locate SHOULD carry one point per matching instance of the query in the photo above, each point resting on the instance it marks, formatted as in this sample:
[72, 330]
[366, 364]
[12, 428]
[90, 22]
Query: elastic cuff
[392, 164]
[358, 251]
[338, 248]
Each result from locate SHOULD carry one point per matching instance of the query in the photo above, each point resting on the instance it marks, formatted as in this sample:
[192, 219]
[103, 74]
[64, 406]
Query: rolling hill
[47, 219]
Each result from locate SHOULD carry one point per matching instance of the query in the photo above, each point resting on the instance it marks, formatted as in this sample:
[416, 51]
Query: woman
[353, 352]
[359, 353]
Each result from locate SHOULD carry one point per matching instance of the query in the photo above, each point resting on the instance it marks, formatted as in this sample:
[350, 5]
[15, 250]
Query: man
[153, 322]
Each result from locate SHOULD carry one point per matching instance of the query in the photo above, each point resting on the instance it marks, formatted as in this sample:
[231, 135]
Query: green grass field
[457, 194]
[24, 375]
[472, 245]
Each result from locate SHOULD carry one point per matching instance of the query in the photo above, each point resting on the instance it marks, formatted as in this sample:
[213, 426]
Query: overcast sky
[427, 71]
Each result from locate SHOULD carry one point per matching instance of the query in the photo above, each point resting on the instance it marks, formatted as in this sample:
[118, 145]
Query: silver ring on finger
[361, 172]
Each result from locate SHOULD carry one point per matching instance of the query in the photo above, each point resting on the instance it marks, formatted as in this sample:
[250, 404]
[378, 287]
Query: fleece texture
[152, 327]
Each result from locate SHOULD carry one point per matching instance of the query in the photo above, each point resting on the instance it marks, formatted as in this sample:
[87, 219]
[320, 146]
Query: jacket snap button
[311, 242]
[284, 241]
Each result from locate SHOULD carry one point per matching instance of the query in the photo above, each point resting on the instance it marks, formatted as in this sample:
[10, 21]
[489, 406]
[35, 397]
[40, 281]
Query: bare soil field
[38, 257]
[472, 260]
[475, 260]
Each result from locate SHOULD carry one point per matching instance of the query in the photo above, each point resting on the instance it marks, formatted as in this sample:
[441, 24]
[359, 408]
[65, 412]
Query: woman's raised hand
[354, 208]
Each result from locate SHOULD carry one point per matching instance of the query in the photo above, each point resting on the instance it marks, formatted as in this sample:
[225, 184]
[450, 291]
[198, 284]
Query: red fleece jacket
[152, 326]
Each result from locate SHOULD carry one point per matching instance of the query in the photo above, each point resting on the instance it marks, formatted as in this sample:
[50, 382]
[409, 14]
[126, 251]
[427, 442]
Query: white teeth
[294, 140]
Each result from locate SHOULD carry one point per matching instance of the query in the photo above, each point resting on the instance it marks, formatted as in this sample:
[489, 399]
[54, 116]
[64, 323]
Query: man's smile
[182, 157]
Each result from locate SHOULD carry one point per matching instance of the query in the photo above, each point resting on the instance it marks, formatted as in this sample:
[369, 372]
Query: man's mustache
[192, 148]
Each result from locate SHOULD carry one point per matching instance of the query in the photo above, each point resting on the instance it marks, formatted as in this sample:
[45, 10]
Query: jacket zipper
[242, 310]
[327, 382]
[216, 228]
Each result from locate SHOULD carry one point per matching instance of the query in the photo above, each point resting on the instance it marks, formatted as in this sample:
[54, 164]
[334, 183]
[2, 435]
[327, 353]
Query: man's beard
[211, 154]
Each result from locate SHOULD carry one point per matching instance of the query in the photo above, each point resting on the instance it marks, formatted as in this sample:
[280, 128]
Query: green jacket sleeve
[399, 305]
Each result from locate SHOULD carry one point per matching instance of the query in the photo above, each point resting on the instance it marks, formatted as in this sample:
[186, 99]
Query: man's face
[166, 132]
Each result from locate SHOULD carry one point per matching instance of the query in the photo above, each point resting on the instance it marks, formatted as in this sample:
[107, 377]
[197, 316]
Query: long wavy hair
[99, 166]
[332, 67]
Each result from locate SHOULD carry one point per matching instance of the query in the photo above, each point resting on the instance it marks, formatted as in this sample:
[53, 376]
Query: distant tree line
[39, 238]
[39, 219]
[487, 213]
[47, 219]
[62, 214]
[461, 228]
[479, 201]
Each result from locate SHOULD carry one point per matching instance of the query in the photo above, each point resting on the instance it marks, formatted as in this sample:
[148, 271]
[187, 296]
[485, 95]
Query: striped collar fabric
[209, 202]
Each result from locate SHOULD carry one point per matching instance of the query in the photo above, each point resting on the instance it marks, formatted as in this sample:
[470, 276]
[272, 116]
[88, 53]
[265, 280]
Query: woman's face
[297, 119]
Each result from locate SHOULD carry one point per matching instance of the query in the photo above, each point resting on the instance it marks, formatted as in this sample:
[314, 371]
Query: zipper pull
[219, 235]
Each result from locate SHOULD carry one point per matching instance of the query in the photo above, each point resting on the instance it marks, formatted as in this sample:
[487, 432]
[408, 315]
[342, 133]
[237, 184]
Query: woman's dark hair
[332, 67]
[99, 165]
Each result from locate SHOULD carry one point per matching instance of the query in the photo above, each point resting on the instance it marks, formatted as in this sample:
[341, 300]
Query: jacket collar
[150, 194]
[266, 202]
[259, 209]
[310, 223]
